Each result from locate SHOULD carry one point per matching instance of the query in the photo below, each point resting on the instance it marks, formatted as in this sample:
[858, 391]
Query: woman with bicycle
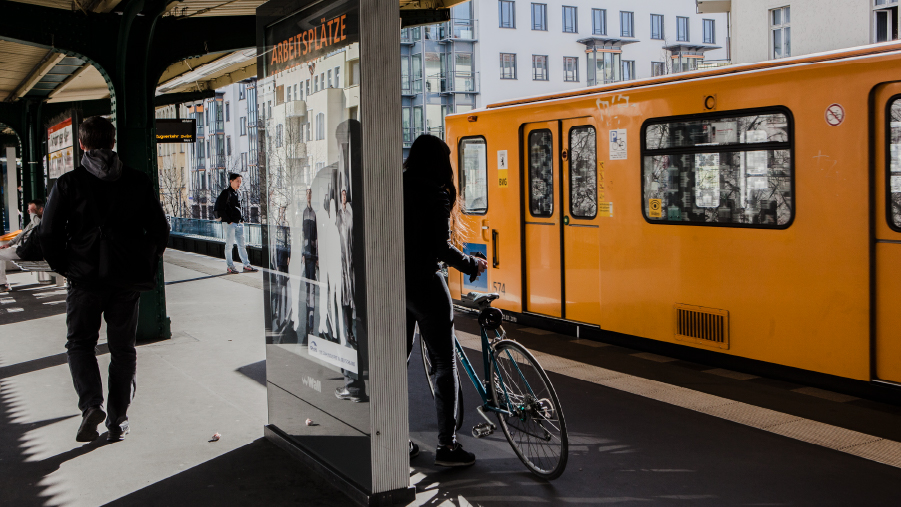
[432, 226]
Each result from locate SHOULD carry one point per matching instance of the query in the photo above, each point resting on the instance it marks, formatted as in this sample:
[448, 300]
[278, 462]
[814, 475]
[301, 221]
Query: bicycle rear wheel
[536, 428]
[427, 365]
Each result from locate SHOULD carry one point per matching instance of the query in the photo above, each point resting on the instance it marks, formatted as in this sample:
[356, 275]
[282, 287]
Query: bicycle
[519, 393]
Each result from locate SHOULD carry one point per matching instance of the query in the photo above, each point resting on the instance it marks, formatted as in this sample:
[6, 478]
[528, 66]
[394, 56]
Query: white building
[771, 29]
[532, 48]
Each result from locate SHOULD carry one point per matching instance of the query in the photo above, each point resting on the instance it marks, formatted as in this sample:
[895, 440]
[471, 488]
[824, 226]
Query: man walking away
[229, 210]
[10, 251]
[105, 231]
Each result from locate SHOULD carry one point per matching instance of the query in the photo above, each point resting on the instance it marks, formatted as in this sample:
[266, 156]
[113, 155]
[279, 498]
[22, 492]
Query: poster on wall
[315, 305]
[61, 149]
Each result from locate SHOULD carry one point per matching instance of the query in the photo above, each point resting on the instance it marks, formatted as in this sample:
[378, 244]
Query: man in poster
[310, 256]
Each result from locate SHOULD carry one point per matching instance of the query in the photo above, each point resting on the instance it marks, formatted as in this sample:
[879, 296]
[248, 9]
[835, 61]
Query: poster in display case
[314, 230]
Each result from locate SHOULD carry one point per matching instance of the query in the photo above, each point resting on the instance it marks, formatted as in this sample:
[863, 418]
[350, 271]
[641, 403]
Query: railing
[460, 82]
[710, 64]
[211, 229]
[459, 29]
[411, 133]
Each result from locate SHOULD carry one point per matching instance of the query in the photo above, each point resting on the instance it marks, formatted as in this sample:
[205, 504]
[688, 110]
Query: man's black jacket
[427, 210]
[228, 206]
[80, 203]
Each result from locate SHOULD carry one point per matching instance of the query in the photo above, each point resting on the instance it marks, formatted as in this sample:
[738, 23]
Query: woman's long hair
[430, 158]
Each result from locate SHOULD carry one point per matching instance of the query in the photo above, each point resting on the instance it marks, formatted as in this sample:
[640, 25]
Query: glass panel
[541, 173]
[762, 128]
[744, 185]
[894, 176]
[474, 175]
[787, 42]
[777, 43]
[583, 195]
[786, 13]
[569, 20]
[777, 17]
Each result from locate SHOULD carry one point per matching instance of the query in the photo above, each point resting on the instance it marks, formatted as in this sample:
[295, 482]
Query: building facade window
[242, 91]
[320, 126]
[243, 125]
[658, 69]
[404, 74]
[599, 21]
[657, 26]
[289, 94]
[506, 14]
[228, 145]
[539, 17]
[539, 68]
[338, 83]
[885, 20]
[570, 69]
[508, 65]
[330, 78]
[780, 32]
[627, 24]
[628, 70]
[681, 29]
[709, 31]
[570, 19]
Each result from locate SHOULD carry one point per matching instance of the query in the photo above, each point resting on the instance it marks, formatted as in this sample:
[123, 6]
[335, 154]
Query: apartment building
[772, 29]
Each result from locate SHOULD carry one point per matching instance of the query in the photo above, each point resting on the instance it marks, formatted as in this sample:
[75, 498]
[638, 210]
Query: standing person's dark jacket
[229, 206]
[427, 210]
[101, 191]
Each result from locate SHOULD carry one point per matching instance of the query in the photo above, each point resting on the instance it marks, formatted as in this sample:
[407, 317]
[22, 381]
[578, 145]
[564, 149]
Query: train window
[541, 173]
[894, 176]
[474, 175]
[583, 174]
[729, 170]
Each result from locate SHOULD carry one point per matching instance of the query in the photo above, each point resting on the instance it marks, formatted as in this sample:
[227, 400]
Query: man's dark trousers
[84, 306]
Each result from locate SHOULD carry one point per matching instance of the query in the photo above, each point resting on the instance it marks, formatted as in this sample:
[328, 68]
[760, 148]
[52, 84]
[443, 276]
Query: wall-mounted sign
[61, 152]
[170, 130]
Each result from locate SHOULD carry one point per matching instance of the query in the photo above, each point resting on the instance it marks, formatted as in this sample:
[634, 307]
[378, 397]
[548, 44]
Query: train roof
[861, 51]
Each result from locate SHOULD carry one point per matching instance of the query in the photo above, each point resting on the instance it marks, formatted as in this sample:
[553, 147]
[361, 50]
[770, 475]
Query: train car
[749, 214]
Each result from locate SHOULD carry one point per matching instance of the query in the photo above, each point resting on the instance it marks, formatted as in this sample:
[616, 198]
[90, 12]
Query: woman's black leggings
[429, 304]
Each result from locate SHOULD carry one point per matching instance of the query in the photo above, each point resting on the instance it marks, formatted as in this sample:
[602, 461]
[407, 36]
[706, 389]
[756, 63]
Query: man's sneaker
[343, 394]
[250, 269]
[5, 287]
[414, 450]
[87, 432]
[455, 457]
[117, 436]
[232, 271]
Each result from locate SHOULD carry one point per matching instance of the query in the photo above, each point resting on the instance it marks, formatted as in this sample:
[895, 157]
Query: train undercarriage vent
[704, 326]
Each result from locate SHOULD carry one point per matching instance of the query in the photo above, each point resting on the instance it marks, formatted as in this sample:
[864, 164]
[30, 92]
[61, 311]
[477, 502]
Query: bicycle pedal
[482, 430]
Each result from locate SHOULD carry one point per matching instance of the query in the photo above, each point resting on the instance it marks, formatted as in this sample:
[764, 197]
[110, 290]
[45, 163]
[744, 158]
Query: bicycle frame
[487, 360]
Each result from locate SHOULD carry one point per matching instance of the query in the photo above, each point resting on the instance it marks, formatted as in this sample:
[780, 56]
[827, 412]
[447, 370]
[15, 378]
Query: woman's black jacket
[427, 230]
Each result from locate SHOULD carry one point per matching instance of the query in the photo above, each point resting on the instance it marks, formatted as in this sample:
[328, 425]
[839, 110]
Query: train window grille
[894, 166]
[473, 167]
[729, 169]
[541, 173]
[583, 176]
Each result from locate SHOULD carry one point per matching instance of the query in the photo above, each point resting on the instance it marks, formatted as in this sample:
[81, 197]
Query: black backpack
[127, 258]
[221, 201]
[30, 249]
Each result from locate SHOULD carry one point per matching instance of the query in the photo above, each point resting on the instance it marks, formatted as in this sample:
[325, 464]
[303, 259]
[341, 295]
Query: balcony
[295, 109]
[458, 30]
[460, 82]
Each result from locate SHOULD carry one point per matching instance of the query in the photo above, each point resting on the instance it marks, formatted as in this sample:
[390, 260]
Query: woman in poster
[345, 231]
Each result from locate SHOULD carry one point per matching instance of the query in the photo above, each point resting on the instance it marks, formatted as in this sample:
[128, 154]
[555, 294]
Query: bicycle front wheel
[535, 426]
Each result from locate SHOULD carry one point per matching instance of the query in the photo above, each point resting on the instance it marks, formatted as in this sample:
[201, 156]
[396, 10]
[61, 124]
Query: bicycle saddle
[479, 300]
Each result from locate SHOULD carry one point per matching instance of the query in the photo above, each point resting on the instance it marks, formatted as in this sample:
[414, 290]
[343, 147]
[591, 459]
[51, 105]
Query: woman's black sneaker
[455, 457]
[414, 450]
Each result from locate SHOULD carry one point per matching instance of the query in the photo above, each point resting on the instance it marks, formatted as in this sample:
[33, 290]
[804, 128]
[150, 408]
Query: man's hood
[102, 163]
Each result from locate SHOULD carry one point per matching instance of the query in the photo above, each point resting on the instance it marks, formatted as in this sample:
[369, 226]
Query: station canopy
[38, 73]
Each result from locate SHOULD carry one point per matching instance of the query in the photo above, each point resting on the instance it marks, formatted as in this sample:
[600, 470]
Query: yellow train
[753, 211]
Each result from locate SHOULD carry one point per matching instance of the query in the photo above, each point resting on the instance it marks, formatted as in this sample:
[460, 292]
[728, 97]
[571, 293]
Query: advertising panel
[60, 149]
[315, 308]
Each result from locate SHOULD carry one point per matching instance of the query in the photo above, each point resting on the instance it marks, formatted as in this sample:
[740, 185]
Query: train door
[579, 182]
[887, 269]
[542, 219]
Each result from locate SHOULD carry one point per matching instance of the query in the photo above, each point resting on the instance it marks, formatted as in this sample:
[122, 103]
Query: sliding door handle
[495, 262]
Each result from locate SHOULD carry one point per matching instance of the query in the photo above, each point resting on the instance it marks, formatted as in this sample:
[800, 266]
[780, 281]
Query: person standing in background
[310, 256]
[228, 208]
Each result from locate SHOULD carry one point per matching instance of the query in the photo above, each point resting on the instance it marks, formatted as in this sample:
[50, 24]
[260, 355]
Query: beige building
[771, 29]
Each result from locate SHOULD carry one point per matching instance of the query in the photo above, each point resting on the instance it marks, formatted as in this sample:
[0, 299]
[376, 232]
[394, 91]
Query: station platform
[644, 428]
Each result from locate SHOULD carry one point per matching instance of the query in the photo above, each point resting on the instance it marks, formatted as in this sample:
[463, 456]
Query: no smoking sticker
[835, 115]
